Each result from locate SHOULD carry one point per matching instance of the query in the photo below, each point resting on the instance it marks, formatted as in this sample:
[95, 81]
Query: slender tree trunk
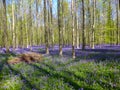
[13, 25]
[46, 28]
[109, 22]
[117, 23]
[83, 26]
[51, 24]
[60, 27]
[76, 25]
[62, 6]
[5, 27]
[20, 38]
[89, 25]
[17, 20]
[27, 36]
[21, 32]
[1, 26]
[48, 21]
[30, 26]
[37, 22]
[73, 31]
[104, 20]
[93, 25]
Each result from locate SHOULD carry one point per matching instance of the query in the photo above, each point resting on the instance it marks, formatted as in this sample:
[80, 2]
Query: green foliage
[105, 22]
[57, 73]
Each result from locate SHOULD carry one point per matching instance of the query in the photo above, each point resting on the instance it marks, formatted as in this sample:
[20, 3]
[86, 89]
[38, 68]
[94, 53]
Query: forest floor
[97, 69]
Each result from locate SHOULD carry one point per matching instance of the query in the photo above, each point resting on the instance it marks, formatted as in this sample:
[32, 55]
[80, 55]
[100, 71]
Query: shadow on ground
[88, 55]
[57, 75]
[3, 61]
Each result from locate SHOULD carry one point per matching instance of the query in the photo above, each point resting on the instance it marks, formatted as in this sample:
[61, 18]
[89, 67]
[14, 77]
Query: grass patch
[59, 73]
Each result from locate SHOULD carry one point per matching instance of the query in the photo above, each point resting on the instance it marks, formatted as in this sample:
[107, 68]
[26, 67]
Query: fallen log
[27, 57]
